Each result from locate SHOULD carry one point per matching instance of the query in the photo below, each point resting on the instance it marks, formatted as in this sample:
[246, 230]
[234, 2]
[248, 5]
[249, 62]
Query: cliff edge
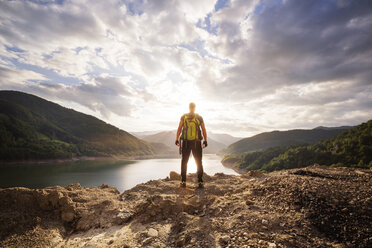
[309, 207]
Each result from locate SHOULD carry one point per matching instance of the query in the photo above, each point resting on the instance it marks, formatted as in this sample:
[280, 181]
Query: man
[191, 138]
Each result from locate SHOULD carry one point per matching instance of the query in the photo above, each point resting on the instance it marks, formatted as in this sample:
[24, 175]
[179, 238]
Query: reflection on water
[120, 174]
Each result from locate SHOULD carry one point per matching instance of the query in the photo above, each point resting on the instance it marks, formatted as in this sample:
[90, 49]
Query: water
[121, 174]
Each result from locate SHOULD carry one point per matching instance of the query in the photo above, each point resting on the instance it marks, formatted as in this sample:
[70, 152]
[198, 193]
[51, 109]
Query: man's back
[191, 136]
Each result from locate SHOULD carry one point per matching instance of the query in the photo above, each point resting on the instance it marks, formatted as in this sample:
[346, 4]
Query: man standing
[191, 138]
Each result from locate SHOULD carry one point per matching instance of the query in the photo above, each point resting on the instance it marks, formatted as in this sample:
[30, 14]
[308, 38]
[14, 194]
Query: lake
[121, 174]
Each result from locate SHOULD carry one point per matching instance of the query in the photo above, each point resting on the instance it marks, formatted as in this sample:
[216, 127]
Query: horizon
[153, 132]
[149, 132]
[138, 64]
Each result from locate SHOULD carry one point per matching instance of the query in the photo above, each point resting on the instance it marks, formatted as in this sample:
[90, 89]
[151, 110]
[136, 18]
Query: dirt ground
[311, 207]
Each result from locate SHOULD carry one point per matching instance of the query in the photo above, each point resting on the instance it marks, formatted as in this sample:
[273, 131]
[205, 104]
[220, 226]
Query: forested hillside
[282, 138]
[351, 148]
[34, 128]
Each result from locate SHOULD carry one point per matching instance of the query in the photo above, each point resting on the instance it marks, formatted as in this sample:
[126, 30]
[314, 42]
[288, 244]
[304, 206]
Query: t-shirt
[198, 117]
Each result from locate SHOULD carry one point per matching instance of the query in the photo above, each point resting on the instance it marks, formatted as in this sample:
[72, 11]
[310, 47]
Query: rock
[67, 209]
[73, 186]
[65, 202]
[147, 241]
[229, 209]
[48, 200]
[253, 173]
[181, 242]
[54, 197]
[109, 188]
[67, 216]
[173, 176]
[224, 240]
[104, 186]
[152, 232]
[122, 217]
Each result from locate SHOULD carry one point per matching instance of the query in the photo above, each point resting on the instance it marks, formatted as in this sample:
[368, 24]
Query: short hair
[192, 105]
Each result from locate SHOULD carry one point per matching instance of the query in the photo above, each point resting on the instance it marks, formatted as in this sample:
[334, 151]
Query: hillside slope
[312, 207]
[34, 128]
[223, 138]
[282, 138]
[352, 148]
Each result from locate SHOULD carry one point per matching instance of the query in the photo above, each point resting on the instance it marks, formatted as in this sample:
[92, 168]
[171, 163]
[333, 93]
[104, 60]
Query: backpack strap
[184, 127]
[198, 127]
[197, 119]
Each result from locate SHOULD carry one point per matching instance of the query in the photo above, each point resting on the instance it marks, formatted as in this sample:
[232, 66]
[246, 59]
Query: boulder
[152, 232]
[173, 176]
[253, 173]
[73, 186]
[67, 216]
[48, 199]
[67, 209]
[224, 240]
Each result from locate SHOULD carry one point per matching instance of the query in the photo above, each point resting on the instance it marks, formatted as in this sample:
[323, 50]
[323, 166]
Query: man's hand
[205, 144]
[177, 143]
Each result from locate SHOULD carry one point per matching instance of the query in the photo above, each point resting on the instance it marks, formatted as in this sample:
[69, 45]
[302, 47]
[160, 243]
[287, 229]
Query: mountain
[223, 138]
[168, 138]
[163, 150]
[312, 207]
[333, 128]
[351, 148]
[282, 138]
[34, 128]
[144, 133]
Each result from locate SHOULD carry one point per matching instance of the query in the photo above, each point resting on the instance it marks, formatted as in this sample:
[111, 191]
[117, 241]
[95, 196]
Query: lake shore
[231, 165]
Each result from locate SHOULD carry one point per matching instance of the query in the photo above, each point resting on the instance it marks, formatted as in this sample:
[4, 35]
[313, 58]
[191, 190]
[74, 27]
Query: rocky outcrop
[310, 207]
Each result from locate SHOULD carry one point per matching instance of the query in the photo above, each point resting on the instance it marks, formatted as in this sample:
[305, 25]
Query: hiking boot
[183, 184]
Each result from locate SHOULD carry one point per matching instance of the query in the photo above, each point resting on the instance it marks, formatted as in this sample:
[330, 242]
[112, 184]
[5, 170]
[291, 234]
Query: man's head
[192, 107]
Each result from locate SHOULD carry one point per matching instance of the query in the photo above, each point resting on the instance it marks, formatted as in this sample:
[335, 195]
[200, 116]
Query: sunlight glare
[190, 93]
[191, 166]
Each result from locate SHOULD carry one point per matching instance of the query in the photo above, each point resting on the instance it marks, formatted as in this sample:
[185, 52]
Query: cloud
[105, 95]
[15, 77]
[279, 50]
[250, 65]
[294, 43]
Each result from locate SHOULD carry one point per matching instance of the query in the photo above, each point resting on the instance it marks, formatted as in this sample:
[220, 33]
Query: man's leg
[197, 152]
[186, 150]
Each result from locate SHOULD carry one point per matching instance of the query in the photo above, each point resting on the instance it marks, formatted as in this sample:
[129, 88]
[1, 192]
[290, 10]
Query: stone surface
[308, 207]
[174, 176]
[152, 232]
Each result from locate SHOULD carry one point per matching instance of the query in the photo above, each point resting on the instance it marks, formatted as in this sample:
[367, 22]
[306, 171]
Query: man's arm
[204, 131]
[179, 132]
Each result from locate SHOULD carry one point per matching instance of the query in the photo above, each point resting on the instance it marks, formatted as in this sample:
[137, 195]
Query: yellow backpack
[191, 127]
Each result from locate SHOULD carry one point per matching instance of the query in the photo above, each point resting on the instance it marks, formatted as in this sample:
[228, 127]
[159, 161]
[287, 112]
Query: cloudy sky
[250, 66]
